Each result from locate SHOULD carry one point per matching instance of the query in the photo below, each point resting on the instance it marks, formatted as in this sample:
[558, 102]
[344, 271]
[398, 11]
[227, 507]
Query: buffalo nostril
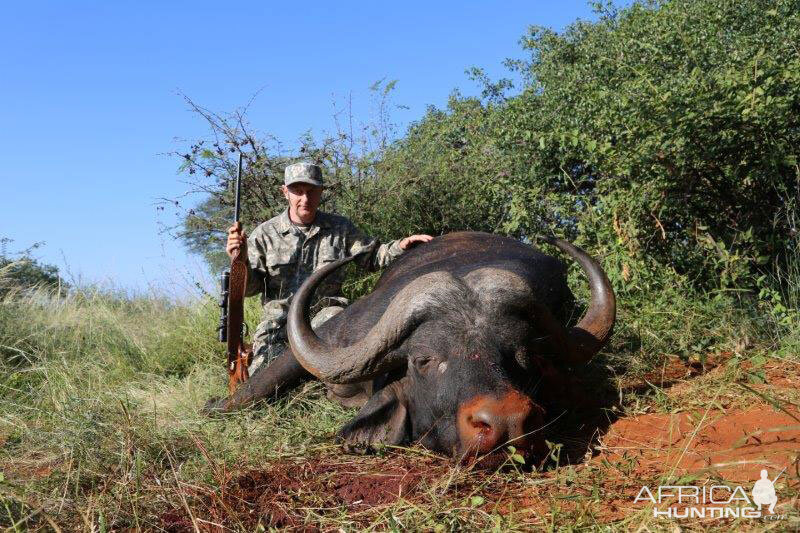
[486, 428]
[483, 427]
[486, 422]
[481, 431]
[481, 421]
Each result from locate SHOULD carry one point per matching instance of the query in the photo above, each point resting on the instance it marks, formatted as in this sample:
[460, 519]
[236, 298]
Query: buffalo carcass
[444, 350]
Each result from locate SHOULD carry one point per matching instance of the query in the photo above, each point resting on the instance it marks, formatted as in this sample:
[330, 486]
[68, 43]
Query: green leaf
[476, 501]
[688, 479]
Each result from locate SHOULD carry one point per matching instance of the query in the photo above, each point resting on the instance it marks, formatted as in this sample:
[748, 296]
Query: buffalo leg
[269, 381]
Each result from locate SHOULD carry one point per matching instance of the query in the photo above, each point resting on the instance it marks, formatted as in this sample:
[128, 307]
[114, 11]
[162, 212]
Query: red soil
[273, 496]
[733, 445]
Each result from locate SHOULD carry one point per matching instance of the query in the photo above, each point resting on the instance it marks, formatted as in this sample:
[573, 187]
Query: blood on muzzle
[486, 422]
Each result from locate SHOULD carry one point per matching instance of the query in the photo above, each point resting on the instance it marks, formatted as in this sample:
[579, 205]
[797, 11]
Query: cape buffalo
[444, 350]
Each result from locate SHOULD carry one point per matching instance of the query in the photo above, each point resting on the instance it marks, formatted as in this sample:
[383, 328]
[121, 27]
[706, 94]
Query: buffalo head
[449, 342]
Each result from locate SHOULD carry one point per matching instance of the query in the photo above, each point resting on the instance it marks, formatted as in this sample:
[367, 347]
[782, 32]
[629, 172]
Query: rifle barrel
[238, 190]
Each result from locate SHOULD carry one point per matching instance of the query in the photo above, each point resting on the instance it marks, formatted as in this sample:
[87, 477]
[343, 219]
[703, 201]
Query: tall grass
[101, 391]
[787, 315]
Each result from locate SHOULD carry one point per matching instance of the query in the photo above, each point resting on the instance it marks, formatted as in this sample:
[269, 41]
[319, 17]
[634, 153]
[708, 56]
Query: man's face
[303, 201]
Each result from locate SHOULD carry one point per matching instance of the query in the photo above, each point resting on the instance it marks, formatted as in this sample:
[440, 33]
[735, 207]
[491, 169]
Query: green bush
[20, 271]
[666, 135]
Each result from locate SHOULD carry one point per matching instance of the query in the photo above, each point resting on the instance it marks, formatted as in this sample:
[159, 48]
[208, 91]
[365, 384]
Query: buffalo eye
[425, 364]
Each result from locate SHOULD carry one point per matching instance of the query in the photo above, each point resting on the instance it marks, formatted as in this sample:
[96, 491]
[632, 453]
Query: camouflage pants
[275, 341]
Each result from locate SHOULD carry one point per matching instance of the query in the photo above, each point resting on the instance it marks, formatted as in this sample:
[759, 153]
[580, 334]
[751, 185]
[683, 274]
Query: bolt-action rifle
[231, 320]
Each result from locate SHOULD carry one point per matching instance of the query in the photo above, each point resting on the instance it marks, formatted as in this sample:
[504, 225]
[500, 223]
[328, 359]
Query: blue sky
[91, 103]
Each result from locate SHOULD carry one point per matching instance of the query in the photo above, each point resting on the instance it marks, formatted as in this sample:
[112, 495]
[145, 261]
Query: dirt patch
[782, 373]
[733, 445]
[287, 494]
[675, 370]
[34, 466]
[685, 448]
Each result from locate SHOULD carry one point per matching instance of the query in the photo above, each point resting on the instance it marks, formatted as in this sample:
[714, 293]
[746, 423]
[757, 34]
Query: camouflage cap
[303, 173]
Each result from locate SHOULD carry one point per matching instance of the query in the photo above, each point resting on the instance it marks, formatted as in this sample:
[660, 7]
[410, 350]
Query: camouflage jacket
[282, 255]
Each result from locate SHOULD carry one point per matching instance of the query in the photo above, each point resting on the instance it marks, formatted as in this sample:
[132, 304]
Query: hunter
[283, 251]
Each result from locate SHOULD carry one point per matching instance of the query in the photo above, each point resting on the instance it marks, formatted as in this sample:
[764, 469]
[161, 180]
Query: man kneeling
[283, 252]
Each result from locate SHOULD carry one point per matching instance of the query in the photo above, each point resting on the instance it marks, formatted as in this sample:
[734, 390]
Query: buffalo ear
[382, 420]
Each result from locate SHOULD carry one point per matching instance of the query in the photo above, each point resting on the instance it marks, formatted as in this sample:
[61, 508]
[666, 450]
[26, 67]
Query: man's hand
[413, 240]
[237, 240]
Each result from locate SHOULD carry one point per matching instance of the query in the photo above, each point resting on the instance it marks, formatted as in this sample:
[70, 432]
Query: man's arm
[383, 254]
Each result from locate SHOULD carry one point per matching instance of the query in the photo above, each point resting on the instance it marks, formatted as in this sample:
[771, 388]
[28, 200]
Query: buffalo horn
[373, 354]
[589, 335]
